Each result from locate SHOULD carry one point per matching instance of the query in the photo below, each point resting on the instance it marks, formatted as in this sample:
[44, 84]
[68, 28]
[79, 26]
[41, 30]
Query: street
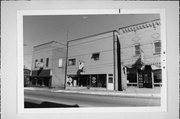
[84, 100]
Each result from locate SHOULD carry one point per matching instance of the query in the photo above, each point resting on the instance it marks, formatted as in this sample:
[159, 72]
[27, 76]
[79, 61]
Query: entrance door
[147, 77]
[110, 82]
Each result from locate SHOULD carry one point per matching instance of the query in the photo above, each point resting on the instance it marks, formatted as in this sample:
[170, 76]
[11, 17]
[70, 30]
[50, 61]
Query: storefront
[145, 77]
[87, 80]
[41, 78]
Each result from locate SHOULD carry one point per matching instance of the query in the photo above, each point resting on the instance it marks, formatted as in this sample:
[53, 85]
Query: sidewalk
[130, 92]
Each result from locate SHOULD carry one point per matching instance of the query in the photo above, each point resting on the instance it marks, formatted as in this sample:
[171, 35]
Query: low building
[48, 65]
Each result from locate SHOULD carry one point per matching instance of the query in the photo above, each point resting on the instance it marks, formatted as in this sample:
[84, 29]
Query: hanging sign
[39, 64]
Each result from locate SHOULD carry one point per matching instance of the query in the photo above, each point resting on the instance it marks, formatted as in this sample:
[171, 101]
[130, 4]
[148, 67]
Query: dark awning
[138, 64]
[44, 72]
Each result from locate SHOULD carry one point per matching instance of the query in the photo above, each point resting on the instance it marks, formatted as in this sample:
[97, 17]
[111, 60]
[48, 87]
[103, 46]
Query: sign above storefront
[39, 64]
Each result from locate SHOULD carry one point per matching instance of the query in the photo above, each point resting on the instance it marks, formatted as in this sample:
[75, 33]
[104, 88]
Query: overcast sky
[42, 29]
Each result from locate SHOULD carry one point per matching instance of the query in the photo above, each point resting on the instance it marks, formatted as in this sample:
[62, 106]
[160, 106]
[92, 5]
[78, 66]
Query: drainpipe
[114, 60]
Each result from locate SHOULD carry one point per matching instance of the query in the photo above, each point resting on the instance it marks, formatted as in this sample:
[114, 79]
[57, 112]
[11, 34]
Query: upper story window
[41, 60]
[137, 49]
[71, 62]
[47, 62]
[95, 56]
[35, 63]
[157, 47]
[60, 62]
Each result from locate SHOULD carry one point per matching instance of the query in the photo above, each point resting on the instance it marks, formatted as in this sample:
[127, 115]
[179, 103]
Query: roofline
[48, 43]
[44, 44]
[138, 24]
[93, 35]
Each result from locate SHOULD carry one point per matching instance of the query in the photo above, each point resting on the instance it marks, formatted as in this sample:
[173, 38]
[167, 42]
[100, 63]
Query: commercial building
[48, 65]
[141, 54]
[92, 62]
[113, 60]
[27, 74]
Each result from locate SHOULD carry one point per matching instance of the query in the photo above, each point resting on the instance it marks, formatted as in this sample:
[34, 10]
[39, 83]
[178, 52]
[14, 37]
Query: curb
[111, 94]
[138, 95]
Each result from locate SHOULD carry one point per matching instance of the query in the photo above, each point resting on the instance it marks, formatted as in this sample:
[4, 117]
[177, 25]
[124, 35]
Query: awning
[154, 67]
[44, 72]
[138, 64]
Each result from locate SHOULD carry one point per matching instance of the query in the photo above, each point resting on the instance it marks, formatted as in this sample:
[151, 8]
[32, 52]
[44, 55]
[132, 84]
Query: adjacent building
[27, 73]
[91, 62]
[48, 65]
[141, 53]
[114, 60]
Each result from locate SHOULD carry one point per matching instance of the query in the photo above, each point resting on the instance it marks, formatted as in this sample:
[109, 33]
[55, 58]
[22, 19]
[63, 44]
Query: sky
[41, 29]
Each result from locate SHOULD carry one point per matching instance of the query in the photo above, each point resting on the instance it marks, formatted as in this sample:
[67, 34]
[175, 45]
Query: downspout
[114, 60]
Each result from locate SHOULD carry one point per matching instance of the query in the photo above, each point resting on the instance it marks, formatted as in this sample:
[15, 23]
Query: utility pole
[65, 83]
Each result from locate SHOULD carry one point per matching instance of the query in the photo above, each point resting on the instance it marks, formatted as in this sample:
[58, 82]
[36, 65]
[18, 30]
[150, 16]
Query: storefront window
[94, 80]
[157, 76]
[132, 78]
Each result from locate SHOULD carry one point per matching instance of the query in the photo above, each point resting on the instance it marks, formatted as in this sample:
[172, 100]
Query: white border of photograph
[20, 86]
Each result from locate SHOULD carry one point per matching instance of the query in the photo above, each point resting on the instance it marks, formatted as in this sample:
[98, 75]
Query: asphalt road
[84, 100]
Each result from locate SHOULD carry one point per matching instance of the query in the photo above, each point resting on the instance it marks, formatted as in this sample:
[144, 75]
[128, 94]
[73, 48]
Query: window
[47, 62]
[137, 49]
[60, 62]
[71, 62]
[157, 76]
[41, 60]
[157, 47]
[95, 56]
[35, 63]
[110, 80]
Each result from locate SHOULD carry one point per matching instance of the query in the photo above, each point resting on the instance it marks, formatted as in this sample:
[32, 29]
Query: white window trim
[154, 51]
[70, 59]
[134, 50]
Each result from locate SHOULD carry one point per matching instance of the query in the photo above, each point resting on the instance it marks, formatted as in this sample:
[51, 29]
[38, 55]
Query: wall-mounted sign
[39, 64]
[69, 81]
[81, 65]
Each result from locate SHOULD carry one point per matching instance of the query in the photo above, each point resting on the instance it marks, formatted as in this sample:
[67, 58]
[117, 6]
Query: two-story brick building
[48, 65]
[141, 53]
[92, 62]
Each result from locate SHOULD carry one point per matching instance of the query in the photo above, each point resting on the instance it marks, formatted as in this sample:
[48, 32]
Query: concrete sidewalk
[130, 92]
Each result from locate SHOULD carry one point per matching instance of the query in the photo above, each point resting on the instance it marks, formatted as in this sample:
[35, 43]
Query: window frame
[73, 64]
[47, 62]
[157, 41]
[60, 62]
[35, 63]
[95, 58]
[135, 51]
